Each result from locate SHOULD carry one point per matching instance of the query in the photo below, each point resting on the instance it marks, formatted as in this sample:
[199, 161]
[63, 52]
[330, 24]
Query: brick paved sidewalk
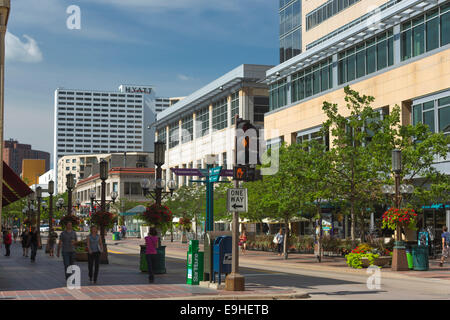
[120, 279]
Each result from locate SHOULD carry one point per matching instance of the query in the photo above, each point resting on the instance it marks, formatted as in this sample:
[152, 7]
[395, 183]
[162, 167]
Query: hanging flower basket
[70, 218]
[399, 217]
[158, 216]
[103, 219]
[185, 223]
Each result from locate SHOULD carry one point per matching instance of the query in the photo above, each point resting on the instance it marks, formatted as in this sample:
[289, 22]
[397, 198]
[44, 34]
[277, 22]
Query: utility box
[210, 237]
[194, 270]
[222, 256]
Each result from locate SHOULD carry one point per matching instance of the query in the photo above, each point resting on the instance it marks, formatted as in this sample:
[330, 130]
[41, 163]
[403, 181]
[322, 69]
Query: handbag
[275, 239]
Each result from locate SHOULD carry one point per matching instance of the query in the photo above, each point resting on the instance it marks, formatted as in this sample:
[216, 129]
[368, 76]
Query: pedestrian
[95, 248]
[124, 231]
[243, 241]
[33, 241]
[52, 237]
[445, 245]
[25, 243]
[7, 240]
[151, 242]
[279, 237]
[15, 233]
[67, 239]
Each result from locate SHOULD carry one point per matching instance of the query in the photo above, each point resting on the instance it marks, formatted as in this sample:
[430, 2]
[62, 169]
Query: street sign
[187, 172]
[214, 174]
[237, 200]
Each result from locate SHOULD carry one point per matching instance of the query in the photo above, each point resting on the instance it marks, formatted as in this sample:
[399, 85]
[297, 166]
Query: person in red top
[151, 242]
[7, 240]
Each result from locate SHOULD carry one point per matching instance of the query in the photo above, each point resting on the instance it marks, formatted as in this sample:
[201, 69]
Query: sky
[178, 46]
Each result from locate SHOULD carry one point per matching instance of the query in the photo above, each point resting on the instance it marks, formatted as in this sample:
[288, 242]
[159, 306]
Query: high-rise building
[14, 153]
[95, 122]
[290, 13]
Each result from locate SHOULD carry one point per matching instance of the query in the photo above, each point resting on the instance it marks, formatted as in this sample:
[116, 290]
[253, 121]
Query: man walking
[34, 243]
[445, 245]
[67, 240]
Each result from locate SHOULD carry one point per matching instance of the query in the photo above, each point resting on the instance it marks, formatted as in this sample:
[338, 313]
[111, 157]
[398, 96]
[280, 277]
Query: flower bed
[364, 256]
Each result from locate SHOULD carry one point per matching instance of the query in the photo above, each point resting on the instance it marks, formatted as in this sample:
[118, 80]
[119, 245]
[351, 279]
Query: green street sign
[214, 174]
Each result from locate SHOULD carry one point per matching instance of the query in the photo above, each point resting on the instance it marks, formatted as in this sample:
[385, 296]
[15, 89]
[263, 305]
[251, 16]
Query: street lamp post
[38, 219]
[50, 190]
[70, 184]
[5, 6]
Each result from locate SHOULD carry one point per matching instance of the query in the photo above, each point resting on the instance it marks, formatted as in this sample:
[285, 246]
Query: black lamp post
[38, 219]
[70, 184]
[50, 190]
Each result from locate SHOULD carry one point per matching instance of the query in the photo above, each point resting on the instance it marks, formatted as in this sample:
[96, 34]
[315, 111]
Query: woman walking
[34, 243]
[243, 241]
[151, 242]
[280, 239]
[25, 242]
[52, 237]
[7, 240]
[95, 248]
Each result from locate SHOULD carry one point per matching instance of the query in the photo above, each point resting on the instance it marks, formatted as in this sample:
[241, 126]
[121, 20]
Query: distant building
[86, 165]
[31, 170]
[14, 153]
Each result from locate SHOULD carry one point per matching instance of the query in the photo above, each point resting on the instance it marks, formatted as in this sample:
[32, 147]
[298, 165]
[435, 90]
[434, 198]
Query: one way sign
[237, 200]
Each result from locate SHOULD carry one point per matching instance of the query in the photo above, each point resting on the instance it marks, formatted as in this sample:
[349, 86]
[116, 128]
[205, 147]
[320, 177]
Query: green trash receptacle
[116, 236]
[420, 258]
[159, 266]
[409, 257]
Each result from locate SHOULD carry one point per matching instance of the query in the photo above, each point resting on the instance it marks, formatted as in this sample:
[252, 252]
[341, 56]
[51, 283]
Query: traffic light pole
[235, 281]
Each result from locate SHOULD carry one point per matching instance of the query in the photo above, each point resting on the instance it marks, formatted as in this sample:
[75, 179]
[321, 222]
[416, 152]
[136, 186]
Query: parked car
[44, 228]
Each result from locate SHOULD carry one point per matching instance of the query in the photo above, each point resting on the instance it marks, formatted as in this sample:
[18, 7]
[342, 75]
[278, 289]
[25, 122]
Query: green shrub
[354, 260]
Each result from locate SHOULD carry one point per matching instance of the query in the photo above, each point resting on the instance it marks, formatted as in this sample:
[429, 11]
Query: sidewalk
[120, 279]
[296, 262]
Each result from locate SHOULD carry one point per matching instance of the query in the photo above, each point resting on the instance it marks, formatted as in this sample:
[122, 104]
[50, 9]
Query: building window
[326, 11]
[234, 106]
[202, 122]
[132, 188]
[187, 126]
[278, 94]
[365, 58]
[434, 113]
[261, 107]
[312, 80]
[174, 138]
[426, 32]
[219, 114]
[312, 134]
[290, 30]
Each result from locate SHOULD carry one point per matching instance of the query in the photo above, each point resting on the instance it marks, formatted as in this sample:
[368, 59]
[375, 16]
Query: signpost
[237, 200]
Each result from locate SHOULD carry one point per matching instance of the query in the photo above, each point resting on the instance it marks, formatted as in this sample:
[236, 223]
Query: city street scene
[242, 152]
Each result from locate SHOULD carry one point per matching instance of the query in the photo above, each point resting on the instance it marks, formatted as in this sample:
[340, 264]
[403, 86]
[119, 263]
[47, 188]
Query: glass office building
[290, 29]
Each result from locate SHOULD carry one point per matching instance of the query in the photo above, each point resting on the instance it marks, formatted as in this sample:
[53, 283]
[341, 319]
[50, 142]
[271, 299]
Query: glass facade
[219, 113]
[187, 126]
[434, 113]
[202, 122]
[372, 55]
[312, 80]
[278, 94]
[234, 106]
[162, 135]
[290, 29]
[326, 11]
[426, 32]
[174, 138]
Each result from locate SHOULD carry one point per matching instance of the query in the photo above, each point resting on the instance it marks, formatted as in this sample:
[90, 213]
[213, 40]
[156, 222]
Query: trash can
[159, 266]
[194, 270]
[222, 254]
[116, 236]
[409, 257]
[420, 258]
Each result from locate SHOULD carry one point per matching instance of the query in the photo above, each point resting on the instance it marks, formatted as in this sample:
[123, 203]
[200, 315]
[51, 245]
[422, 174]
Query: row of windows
[113, 105]
[89, 150]
[219, 114]
[174, 129]
[290, 17]
[202, 122]
[187, 125]
[291, 45]
[260, 107]
[312, 80]
[278, 94]
[434, 113]
[426, 32]
[372, 55]
[326, 11]
[98, 99]
[101, 94]
[234, 106]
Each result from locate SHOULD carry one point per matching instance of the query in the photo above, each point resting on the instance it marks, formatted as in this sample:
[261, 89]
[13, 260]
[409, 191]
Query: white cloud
[183, 77]
[27, 51]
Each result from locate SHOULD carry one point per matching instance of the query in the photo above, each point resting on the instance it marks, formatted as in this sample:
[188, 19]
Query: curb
[269, 296]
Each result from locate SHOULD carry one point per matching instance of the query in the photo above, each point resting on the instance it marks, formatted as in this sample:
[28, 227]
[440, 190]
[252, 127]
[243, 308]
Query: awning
[13, 187]
[135, 211]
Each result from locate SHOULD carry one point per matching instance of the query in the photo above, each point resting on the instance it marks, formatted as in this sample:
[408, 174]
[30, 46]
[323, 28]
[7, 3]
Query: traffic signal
[247, 151]
[246, 173]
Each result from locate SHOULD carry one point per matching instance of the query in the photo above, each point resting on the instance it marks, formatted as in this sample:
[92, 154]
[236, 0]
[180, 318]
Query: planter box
[81, 256]
[380, 261]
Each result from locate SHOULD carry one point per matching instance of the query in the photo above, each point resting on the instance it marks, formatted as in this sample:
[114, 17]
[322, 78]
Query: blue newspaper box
[222, 256]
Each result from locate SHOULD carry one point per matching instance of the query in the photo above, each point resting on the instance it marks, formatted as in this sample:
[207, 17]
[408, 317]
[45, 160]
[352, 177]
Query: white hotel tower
[94, 122]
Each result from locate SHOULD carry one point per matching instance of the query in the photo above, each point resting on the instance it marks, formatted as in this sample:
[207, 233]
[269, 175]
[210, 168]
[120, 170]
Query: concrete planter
[380, 261]
[81, 256]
